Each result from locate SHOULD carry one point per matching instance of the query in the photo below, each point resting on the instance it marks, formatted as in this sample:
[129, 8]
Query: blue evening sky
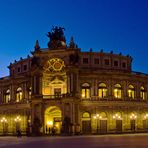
[118, 25]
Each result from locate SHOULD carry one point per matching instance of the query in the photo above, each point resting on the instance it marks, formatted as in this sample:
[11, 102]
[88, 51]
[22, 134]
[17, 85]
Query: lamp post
[17, 121]
[118, 119]
[97, 117]
[145, 121]
[4, 121]
[133, 118]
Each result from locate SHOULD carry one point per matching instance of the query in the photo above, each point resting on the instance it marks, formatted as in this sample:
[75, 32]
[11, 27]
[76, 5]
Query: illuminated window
[102, 90]
[19, 94]
[85, 90]
[131, 91]
[117, 91]
[86, 115]
[57, 92]
[142, 93]
[7, 96]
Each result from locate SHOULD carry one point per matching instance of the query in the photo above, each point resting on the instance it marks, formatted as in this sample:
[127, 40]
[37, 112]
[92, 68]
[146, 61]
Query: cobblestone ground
[98, 141]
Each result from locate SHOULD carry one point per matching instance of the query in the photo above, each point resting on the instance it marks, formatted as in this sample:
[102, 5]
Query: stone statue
[57, 38]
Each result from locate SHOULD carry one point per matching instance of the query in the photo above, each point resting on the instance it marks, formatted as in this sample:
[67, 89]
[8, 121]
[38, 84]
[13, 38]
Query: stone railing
[97, 98]
[58, 96]
[13, 101]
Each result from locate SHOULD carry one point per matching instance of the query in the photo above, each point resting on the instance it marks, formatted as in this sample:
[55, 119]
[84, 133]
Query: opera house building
[73, 92]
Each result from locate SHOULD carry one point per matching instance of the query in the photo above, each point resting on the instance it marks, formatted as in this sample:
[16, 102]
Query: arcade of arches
[114, 122]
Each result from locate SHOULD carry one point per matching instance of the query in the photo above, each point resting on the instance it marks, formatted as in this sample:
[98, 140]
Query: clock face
[55, 64]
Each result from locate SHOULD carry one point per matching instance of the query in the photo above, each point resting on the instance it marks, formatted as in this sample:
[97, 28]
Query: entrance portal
[103, 126]
[86, 123]
[118, 126]
[133, 125]
[53, 120]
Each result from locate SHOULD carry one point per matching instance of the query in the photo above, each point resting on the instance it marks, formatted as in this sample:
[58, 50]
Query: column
[110, 89]
[33, 83]
[68, 83]
[71, 81]
[12, 90]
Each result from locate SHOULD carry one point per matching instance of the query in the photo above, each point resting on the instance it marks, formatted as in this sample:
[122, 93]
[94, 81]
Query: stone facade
[73, 92]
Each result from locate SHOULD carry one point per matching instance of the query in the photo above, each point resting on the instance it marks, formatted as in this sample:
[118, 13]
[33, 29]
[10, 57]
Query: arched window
[117, 91]
[86, 115]
[85, 90]
[7, 96]
[131, 91]
[102, 90]
[142, 93]
[19, 94]
[103, 115]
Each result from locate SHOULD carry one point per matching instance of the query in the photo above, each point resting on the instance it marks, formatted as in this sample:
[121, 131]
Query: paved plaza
[98, 141]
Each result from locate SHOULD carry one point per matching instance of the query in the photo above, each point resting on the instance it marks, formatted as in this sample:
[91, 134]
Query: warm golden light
[3, 120]
[117, 117]
[133, 116]
[146, 116]
[57, 125]
[83, 95]
[17, 119]
[115, 90]
[97, 116]
[50, 123]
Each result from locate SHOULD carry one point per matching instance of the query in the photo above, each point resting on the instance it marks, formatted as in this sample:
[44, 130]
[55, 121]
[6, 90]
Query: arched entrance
[133, 118]
[145, 121]
[103, 123]
[86, 123]
[53, 120]
[118, 119]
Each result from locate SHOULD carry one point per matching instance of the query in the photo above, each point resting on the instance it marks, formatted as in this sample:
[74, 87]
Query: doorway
[119, 126]
[133, 125]
[53, 120]
[103, 126]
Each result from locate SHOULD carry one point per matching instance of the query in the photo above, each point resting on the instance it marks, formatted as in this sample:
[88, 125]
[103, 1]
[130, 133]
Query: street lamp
[117, 117]
[97, 117]
[145, 116]
[145, 121]
[133, 118]
[17, 120]
[4, 121]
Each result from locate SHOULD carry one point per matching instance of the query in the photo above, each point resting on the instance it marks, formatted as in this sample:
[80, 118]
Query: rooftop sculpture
[57, 38]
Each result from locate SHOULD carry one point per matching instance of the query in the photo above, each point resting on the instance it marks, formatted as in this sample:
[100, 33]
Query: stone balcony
[111, 98]
[59, 97]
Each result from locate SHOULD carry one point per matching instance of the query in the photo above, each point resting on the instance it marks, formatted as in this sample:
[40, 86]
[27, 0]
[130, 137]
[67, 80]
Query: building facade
[63, 88]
